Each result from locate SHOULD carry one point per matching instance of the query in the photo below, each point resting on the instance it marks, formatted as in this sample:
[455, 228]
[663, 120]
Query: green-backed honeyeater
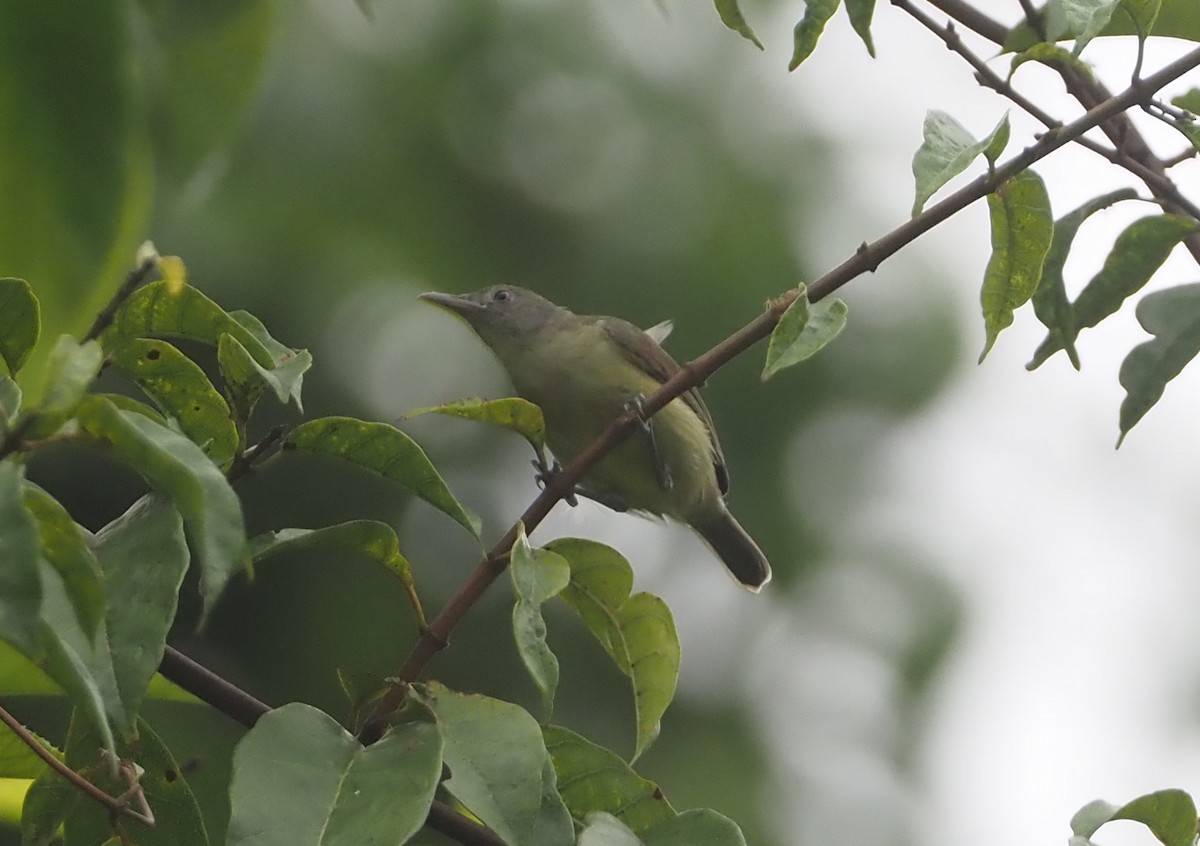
[583, 371]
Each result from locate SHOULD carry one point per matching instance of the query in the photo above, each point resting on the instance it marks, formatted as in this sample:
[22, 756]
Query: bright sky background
[1075, 677]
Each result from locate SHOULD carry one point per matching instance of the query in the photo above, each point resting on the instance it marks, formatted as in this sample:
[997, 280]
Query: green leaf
[497, 761]
[178, 468]
[731, 16]
[1141, 15]
[802, 332]
[47, 802]
[1088, 819]
[699, 825]
[593, 779]
[94, 697]
[1188, 128]
[1175, 19]
[65, 547]
[1088, 18]
[21, 677]
[1136, 255]
[1189, 100]
[197, 99]
[181, 390]
[1169, 814]
[244, 383]
[1173, 318]
[159, 310]
[997, 141]
[20, 322]
[78, 175]
[1022, 229]
[512, 413]
[375, 540]
[604, 829]
[246, 380]
[299, 778]
[20, 550]
[946, 150]
[69, 372]
[806, 33]
[137, 407]
[17, 760]
[637, 631]
[1052, 56]
[286, 376]
[385, 450]
[10, 402]
[177, 819]
[860, 13]
[1050, 302]
[143, 556]
[537, 576]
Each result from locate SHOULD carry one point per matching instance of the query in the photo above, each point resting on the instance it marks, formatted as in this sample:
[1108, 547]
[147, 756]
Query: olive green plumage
[583, 371]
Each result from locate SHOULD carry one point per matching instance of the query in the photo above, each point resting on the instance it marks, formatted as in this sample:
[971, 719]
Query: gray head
[502, 315]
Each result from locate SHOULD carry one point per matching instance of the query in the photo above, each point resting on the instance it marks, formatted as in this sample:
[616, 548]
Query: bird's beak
[451, 302]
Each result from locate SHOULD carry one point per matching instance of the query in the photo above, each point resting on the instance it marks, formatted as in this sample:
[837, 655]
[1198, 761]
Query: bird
[583, 371]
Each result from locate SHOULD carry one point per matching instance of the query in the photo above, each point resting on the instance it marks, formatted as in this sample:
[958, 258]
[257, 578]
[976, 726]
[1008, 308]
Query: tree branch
[866, 258]
[990, 79]
[1120, 129]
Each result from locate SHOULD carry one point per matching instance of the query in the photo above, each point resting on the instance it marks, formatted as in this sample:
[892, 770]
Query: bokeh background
[981, 614]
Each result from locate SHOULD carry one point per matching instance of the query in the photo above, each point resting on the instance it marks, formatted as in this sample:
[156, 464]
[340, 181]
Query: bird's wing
[654, 360]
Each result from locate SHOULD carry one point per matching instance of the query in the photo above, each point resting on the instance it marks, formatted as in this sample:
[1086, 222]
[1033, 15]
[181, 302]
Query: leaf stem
[118, 805]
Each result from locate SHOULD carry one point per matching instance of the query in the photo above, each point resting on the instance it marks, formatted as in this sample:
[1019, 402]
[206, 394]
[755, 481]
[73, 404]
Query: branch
[1120, 129]
[114, 804]
[239, 705]
[133, 280]
[244, 462]
[990, 79]
[866, 258]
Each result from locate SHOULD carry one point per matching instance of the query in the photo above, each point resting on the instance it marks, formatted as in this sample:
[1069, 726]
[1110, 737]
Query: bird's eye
[501, 295]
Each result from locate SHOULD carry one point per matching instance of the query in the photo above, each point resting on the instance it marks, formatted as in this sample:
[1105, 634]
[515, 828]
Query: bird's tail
[736, 549]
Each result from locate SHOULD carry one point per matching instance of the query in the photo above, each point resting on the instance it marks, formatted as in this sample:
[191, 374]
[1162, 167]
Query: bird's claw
[545, 473]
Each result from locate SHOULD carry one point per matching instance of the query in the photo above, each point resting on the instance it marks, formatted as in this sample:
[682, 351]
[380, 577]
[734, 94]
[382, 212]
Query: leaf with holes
[182, 391]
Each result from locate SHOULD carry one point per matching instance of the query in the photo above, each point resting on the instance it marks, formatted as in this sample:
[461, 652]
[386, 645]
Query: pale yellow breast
[582, 381]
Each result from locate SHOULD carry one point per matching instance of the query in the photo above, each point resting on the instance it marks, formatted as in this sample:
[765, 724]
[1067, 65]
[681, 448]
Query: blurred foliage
[319, 169]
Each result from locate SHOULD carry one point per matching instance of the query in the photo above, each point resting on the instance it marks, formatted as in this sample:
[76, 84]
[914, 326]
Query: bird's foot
[547, 472]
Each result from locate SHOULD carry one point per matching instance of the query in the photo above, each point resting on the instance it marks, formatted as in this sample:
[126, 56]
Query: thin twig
[864, 259]
[206, 685]
[133, 280]
[1179, 158]
[1120, 129]
[1160, 184]
[244, 462]
[113, 803]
